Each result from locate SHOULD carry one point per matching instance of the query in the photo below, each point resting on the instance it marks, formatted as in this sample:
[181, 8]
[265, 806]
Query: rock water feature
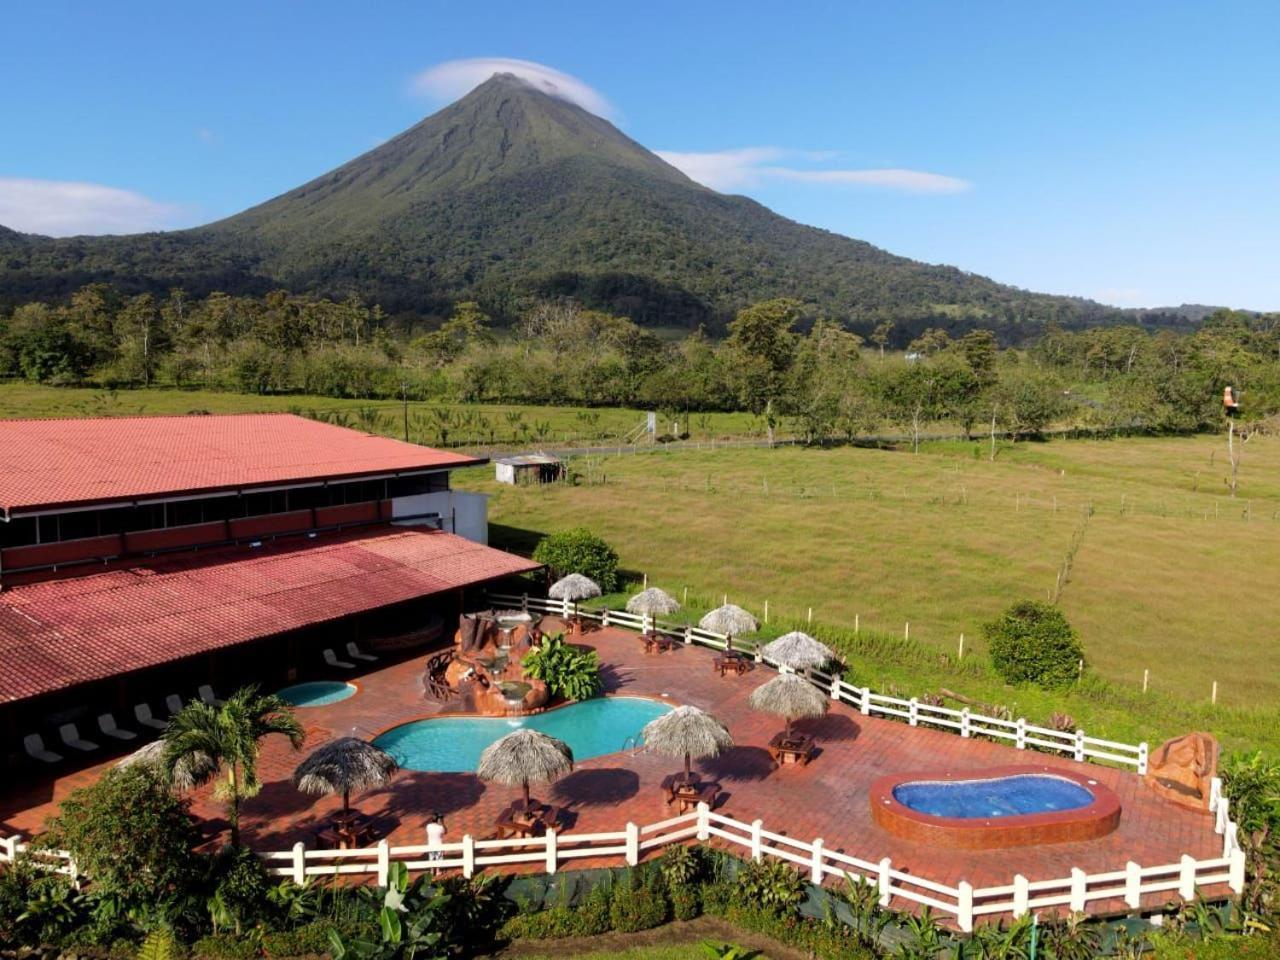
[487, 666]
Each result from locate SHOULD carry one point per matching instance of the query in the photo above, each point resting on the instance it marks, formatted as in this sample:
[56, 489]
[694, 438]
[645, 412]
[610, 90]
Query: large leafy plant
[569, 672]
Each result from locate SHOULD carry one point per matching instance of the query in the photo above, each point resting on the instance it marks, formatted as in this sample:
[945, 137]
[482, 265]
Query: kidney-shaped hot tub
[997, 807]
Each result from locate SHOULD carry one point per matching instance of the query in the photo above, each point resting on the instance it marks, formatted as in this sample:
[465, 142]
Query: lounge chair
[71, 737]
[33, 743]
[143, 712]
[332, 660]
[355, 653]
[208, 696]
[107, 724]
[174, 703]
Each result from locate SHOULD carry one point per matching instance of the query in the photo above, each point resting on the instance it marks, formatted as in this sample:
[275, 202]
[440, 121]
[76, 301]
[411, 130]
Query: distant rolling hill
[511, 194]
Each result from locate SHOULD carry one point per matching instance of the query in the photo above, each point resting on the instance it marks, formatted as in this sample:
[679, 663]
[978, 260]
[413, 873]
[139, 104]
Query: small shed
[528, 468]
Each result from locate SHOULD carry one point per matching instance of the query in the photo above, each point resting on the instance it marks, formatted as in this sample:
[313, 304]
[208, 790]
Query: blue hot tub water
[1012, 796]
[317, 693]
[454, 744]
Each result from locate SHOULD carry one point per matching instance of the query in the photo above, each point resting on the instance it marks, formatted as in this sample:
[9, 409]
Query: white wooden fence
[1019, 733]
[964, 903]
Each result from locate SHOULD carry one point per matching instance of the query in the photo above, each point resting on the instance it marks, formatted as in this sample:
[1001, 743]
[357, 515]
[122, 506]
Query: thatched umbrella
[190, 770]
[574, 587]
[731, 620]
[799, 651]
[689, 732]
[653, 603]
[523, 757]
[343, 765]
[791, 697]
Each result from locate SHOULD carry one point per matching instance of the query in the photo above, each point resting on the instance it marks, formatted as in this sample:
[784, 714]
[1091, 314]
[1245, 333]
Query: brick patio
[827, 799]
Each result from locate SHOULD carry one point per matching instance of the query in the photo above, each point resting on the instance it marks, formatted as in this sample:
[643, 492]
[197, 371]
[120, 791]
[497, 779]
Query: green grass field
[543, 425]
[1170, 575]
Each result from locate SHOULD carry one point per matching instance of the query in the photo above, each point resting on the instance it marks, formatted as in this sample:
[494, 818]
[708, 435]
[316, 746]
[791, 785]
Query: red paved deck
[827, 799]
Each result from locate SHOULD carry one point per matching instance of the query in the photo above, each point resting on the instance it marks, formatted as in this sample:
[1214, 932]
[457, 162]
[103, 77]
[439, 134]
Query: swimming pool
[317, 693]
[998, 797]
[997, 807]
[454, 744]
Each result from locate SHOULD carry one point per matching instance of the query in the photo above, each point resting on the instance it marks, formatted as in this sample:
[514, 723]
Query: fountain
[486, 665]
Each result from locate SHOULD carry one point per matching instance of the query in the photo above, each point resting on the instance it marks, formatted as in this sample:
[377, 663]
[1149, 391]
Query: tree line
[779, 361]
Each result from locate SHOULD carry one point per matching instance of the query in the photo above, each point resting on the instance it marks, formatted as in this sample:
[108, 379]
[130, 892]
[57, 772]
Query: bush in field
[580, 551]
[1032, 642]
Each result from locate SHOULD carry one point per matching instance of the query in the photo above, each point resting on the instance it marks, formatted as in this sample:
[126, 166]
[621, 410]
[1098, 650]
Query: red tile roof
[61, 633]
[56, 463]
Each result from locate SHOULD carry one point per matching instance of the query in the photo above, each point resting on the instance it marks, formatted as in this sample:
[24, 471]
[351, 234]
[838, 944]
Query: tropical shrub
[569, 672]
[1032, 642]
[1253, 784]
[772, 886]
[580, 551]
[129, 833]
[637, 905]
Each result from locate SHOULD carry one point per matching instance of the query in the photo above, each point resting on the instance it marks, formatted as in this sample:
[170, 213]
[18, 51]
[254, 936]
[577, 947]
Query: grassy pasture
[1169, 573]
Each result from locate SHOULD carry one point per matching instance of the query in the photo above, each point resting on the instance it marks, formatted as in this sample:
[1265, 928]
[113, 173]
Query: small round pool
[997, 807]
[454, 744]
[998, 797]
[317, 693]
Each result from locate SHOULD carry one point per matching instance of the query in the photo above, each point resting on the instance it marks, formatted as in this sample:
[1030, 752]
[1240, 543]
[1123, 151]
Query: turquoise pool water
[317, 693]
[1000, 797]
[454, 744]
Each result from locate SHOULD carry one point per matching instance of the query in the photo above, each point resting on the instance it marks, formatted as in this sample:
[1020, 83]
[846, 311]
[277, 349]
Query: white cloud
[63, 208]
[454, 78]
[726, 170]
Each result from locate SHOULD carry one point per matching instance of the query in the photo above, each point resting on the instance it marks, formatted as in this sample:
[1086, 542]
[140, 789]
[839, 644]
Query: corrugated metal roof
[61, 633]
[46, 464]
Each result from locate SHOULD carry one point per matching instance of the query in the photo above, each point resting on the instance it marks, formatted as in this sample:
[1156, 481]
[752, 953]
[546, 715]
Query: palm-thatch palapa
[798, 651]
[791, 697]
[689, 732]
[343, 765]
[653, 603]
[575, 588]
[731, 620]
[522, 757]
[192, 769]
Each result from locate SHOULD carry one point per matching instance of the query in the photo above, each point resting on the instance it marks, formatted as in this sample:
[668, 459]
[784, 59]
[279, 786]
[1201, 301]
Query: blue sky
[1127, 152]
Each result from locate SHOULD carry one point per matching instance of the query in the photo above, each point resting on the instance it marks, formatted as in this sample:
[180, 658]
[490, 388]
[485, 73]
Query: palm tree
[211, 740]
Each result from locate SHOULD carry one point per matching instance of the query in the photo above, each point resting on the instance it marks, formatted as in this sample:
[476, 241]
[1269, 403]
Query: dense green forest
[780, 360]
[508, 197]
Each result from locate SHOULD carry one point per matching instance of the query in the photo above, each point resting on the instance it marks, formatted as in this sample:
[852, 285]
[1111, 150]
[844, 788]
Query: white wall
[466, 514]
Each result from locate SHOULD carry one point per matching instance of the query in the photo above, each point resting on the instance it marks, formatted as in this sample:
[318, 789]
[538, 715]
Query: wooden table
[516, 821]
[796, 749]
[346, 833]
[657, 643]
[730, 660]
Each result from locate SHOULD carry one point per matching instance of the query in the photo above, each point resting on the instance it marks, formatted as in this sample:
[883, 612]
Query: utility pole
[404, 394]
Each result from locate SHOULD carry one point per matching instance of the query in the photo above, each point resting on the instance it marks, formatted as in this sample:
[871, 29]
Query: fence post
[1142, 758]
[757, 827]
[704, 822]
[688, 635]
[1021, 896]
[551, 850]
[604, 620]
[1235, 871]
[1079, 746]
[1079, 887]
[633, 844]
[964, 906]
[866, 701]
[913, 712]
[884, 881]
[1021, 741]
[965, 730]
[10, 847]
[524, 602]
[299, 863]
[835, 686]
[564, 608]
[384, 863]
[1215, 793]
[1187, 878]
[1132, 885]
[468, 856]
[815, 869]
